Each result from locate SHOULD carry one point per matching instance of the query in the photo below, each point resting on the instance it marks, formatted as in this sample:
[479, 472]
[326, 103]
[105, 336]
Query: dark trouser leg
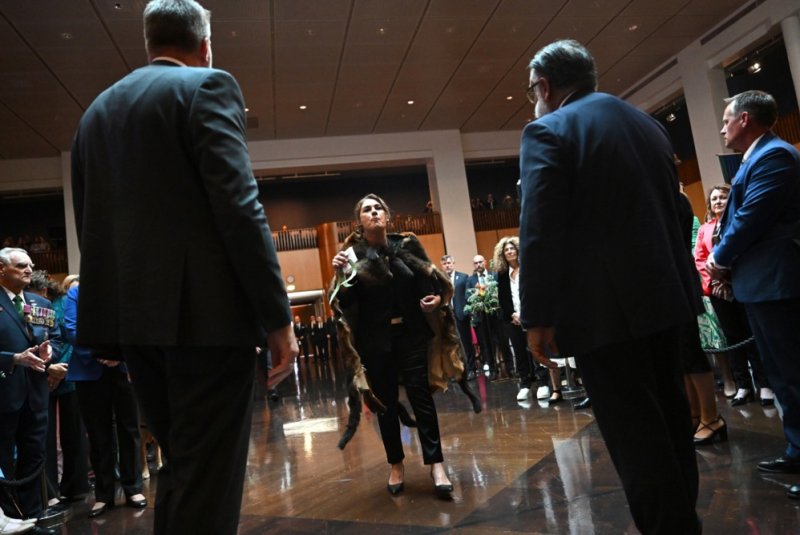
[94, 398]
[733, 320]
[521, 355]
[198, 402]
[465, 333]
[128, 439]
[74, 480]
[382, 372]
[775, 327]
[640, 404]
[485, 342]
[51, 466]
[28, 430]
[414, 367]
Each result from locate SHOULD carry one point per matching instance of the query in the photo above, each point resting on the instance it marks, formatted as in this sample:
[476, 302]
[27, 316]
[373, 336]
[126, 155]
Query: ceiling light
[66, 35]
[510, 97]
[117, 6]
[633, 27]
[381, 31]
[303, 107]
[670, 117]
[754, 67]
[246, 110]
[410, 102]
[234, 34]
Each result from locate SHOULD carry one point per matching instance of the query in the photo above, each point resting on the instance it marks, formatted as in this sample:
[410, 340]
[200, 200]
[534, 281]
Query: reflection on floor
[517, 467]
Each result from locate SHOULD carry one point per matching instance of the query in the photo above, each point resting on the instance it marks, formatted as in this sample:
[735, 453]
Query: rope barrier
[729, 348]
[25, 480]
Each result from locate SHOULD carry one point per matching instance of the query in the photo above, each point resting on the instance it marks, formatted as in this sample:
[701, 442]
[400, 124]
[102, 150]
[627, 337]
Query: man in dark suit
[605, 274]
[459, 282]
[28, 338]
[319, 337]
[332, 333]
[301, 334]
[759, 254]
[486, 328]
[178, 267]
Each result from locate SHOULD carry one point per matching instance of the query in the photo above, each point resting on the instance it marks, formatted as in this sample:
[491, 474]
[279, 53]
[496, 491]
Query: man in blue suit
[179, 273]
[604, 272]
[28, 337]
[459, 282]
[759, 252]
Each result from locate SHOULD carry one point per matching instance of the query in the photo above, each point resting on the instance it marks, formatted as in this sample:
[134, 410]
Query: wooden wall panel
[304, 265]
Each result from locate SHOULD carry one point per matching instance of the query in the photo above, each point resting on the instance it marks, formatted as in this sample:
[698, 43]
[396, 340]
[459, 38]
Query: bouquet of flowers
[482, 298]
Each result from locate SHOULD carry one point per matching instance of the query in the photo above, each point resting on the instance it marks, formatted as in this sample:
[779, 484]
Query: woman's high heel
[394, 489]
[443, 492]
[720, 433]
[555, 397]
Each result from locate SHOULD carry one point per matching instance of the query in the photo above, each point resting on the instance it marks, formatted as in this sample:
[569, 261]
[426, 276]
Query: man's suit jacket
[602, 259]
[22, 383]
[175, 247]
[760, 238]
[460, 294]
[318, 333]
[300, 330]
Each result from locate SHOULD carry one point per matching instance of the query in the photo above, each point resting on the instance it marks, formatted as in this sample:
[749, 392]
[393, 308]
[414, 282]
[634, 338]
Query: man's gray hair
[760, 106]
[566, 64]
[446, 257]
[6, 252]
[179, 24]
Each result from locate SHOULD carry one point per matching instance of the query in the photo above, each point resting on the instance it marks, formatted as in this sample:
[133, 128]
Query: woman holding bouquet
[386, 330]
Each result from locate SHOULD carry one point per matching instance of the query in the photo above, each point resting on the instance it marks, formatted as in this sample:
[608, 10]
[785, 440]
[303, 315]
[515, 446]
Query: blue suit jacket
[21, 383]
[760, 239]
[601, 252]
[82, 366]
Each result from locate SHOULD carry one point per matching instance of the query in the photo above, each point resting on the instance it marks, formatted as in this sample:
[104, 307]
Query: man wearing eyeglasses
[606, 276]
[28, 337]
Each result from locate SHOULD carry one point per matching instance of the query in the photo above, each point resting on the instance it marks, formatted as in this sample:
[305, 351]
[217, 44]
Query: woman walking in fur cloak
[392, 326]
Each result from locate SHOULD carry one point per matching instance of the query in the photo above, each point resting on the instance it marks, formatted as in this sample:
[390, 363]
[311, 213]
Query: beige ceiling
[355, 64]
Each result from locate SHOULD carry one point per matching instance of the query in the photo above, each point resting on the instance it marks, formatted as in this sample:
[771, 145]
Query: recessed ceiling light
[671, 117]
[310, 32]
[510, 97]
[118, 6]
[754, 67]
[633, 27]
[247, 109]
[303, 107]
[450, 29]
[381, 31]
[410, 102]
[66, 35]
[234, 34]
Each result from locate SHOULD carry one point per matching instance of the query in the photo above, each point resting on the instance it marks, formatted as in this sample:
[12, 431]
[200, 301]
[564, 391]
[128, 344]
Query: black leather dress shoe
[794, 492]
[95, 512]
[585, 403]
[781, 465]
[136, 504]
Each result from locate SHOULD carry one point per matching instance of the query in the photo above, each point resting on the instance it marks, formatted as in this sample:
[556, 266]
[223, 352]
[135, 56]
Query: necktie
[18, 305]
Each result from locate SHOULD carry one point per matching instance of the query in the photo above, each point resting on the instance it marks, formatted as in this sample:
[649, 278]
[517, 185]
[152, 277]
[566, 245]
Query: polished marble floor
[516, 467]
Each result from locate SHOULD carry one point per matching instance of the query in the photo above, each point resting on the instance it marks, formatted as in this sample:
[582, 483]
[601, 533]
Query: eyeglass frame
[530, 94]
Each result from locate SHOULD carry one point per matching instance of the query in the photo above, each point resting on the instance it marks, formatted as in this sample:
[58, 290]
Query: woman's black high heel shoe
[475, 400]
[720, 433]
[394, 489]
[443, 492]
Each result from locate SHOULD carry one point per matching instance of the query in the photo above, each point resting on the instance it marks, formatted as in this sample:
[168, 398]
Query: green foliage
[482, 298]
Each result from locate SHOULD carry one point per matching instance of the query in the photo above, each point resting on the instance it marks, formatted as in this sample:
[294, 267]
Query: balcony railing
[295, 239]
[53, 261]
[495, 219]
[420, 224]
